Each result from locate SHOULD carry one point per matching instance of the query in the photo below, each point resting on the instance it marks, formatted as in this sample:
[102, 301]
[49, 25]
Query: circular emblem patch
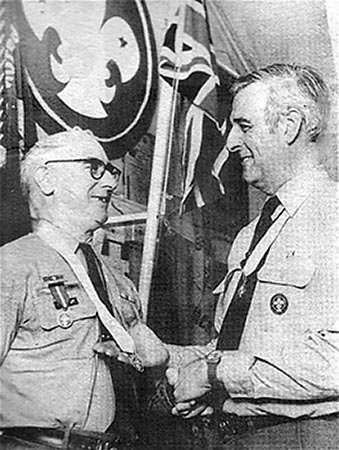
[65, 320]
[279, 304]
[92, 65]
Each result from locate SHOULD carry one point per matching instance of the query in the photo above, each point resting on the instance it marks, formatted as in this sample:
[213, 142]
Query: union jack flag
[188, 60]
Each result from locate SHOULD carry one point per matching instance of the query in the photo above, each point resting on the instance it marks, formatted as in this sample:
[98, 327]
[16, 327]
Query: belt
[66, 439]
[231, 425]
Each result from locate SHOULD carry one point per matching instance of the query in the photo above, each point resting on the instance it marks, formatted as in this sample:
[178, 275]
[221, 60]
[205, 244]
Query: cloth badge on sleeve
[279, 304]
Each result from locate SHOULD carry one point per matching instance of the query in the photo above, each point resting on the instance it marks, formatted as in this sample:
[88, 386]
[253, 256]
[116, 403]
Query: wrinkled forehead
[250, 101]
[74, 145]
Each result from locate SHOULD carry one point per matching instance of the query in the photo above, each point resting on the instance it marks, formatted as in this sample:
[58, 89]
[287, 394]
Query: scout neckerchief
[237, 311]
[302, 184]
[119, 334]
[260, 249]
[231, 282]
[265, 243]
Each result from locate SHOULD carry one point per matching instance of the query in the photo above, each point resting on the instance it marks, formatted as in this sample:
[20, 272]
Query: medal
[56, 285]
[64, 319]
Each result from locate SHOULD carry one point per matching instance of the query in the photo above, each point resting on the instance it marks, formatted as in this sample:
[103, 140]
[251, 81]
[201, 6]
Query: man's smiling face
[262, 151]
[80, 201]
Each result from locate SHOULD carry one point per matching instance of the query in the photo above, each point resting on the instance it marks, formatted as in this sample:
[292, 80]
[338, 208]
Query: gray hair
[47, 148]
[292, 86]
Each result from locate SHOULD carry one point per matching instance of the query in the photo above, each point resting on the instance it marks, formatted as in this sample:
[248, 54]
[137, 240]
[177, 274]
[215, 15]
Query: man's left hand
[191, 409]
[190, 382]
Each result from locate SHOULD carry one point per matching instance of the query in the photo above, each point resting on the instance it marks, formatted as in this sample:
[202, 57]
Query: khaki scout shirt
[49, 375]
[288, 359]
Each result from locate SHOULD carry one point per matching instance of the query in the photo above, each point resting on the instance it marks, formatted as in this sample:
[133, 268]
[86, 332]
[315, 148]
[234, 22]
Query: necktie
[95, 274]
[234, 322]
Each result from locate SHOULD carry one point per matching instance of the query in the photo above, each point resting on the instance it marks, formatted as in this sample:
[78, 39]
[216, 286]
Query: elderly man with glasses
[64, 314]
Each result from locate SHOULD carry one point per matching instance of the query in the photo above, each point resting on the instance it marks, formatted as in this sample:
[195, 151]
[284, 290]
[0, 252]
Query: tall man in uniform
[63, 312]
[275, 362]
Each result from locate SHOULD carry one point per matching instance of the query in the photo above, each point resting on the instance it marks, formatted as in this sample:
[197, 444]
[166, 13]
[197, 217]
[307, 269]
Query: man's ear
[44, 180]
[293, 123]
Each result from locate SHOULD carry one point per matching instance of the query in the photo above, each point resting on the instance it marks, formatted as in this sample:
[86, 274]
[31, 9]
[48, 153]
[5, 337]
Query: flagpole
[159, 175]
[160, 158]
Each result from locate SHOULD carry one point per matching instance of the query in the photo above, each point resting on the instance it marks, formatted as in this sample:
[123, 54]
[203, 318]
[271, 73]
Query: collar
[293, 193]
[55, 232]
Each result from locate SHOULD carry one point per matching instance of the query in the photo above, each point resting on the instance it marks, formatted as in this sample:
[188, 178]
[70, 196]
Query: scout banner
[90, 64]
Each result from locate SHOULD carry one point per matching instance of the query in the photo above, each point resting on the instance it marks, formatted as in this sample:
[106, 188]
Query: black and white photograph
[169, 225]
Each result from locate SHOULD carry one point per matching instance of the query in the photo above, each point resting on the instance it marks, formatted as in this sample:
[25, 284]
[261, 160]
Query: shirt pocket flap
[50, 316]
[291, 269]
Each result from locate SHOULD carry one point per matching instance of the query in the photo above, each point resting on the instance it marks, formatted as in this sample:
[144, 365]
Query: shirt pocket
[50, 316]
[288, 268]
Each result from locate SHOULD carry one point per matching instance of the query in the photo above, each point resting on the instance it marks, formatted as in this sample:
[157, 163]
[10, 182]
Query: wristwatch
[213, 359]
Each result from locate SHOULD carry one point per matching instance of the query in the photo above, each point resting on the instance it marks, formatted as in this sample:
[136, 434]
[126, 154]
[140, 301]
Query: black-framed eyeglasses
[97, 166]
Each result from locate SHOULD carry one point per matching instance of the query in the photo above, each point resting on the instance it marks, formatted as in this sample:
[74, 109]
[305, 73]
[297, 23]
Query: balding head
[74, 143]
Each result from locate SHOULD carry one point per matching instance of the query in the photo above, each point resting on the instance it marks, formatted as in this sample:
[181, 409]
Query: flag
[17, 124]
[9, 138]
[14, 216]
[188, 63]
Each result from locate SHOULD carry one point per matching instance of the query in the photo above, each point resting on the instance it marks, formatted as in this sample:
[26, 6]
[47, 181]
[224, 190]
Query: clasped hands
[190, 386]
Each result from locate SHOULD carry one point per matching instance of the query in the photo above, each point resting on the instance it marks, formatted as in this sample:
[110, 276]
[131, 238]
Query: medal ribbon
[119, 334]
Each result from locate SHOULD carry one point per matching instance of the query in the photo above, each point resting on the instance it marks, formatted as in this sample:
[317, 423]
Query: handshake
[185, 392]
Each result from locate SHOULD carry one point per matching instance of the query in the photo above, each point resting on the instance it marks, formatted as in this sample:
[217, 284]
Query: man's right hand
[187, 409]
[190, 382]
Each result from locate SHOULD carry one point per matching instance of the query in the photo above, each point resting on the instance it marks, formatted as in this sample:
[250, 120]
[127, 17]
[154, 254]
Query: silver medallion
[64, 319]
